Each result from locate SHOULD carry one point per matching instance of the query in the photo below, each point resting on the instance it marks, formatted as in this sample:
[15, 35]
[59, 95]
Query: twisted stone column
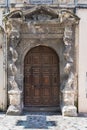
[14, 93]
[68, 108]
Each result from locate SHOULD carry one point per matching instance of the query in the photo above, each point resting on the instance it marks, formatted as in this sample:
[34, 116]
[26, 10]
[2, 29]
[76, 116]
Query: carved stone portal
[40, 25]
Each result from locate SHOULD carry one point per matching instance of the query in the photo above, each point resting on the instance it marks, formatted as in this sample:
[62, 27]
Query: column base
[15, 107]
[14, 110]
[69, 110]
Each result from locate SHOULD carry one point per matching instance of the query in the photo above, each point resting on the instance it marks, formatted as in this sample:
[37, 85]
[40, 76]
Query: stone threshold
[42, 109]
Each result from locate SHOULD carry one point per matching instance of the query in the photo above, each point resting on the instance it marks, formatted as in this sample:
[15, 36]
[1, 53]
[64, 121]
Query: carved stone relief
[24, 34]
[14, 93]
[68, 91]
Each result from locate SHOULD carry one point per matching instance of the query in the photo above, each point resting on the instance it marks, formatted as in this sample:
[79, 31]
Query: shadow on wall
[36, 121]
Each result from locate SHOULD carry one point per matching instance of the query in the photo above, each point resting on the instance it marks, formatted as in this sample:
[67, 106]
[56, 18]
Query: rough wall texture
[41, 26]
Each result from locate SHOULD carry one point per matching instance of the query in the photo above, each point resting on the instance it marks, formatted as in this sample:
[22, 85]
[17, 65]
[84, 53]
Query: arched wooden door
[41, 77]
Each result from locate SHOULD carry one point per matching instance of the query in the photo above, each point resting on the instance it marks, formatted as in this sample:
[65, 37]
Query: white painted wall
[82, 66]
[3, 89]
[1, 13]
[1, 79]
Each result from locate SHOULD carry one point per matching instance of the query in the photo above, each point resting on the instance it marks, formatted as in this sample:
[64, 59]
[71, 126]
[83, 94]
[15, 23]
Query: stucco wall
[82, 66]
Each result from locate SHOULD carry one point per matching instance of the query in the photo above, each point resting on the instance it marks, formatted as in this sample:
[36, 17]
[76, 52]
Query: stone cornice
[34, 14]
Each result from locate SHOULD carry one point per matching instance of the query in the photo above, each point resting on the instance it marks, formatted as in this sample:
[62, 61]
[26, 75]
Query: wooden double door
[41, 77]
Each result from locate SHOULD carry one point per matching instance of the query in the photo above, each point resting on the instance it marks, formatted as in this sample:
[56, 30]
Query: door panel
[41, 77]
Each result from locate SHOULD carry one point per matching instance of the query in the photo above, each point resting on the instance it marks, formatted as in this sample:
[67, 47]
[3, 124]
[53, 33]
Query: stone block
[69, 111]
[14, 110]
[15, 107]
[15, 97]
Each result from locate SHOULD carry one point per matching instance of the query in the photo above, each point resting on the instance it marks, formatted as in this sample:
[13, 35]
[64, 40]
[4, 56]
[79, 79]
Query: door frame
[41, 108]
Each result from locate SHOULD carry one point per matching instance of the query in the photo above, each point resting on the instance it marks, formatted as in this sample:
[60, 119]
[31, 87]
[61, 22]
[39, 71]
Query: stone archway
[41, 78]
[44, 26]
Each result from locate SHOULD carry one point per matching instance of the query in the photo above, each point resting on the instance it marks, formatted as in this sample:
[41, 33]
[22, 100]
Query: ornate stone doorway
[41, 26]
[41, 78]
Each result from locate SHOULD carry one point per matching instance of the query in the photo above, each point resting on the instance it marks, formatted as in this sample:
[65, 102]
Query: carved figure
[13, 84]
[13, 69]
[14, 54]
[67, 68]
[70, 81]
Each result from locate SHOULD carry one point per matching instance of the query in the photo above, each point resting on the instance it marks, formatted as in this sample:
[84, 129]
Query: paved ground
[42, 121]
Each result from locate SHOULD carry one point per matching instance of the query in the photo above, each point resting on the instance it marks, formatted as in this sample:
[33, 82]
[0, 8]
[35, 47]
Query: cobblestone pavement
[42, 121]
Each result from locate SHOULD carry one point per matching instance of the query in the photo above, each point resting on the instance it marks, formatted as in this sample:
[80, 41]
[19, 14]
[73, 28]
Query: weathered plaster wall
[82, 63]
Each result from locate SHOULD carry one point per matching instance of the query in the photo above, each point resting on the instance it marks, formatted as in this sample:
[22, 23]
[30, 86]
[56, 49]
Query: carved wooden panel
[41, 77]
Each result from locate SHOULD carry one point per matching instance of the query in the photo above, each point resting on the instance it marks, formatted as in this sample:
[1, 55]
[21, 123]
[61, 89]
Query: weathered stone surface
[68, 108]
[68, 97]
[37, 30]
[15, 97]
[43, 36]
[69, 111]
[14, 54]
[14, 94]
[1, 40]
[67, 68]
[15, 107]
[14, 110]
[13, 69]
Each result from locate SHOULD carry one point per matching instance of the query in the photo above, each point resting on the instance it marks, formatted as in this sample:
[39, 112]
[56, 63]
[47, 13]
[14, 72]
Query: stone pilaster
[68, 108]
[14, 93]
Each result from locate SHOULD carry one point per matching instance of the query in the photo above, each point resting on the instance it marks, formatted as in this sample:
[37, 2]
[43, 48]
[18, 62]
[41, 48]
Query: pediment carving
[66, 15]
[40, 13]
[44, 13]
